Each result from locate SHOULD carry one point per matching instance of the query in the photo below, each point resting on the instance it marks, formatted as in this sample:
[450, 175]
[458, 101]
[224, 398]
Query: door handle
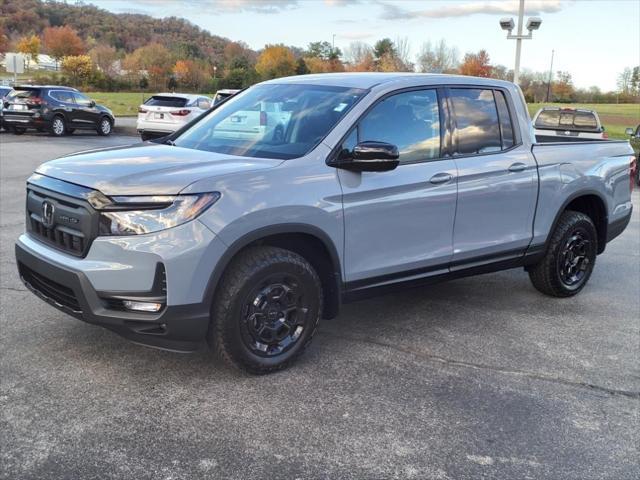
[517, 167]
[442, 177]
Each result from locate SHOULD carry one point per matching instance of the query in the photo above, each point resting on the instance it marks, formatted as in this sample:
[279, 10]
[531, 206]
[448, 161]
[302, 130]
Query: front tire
[571, 255]
[266, 310]
[19, 130]
[58, 127]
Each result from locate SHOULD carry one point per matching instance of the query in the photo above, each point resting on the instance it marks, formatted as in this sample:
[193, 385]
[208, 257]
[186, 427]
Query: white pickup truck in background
[562, 124]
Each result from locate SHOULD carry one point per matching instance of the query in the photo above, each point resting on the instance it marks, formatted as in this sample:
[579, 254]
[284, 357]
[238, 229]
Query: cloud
[531, 7]
[257, 6]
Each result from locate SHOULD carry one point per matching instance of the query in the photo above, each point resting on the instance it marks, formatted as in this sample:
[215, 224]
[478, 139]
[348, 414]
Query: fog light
[141, 306]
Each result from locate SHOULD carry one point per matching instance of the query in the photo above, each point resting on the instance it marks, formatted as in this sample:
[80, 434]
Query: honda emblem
[47, 213]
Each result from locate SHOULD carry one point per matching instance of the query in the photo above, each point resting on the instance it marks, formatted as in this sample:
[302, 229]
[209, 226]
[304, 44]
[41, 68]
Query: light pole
[507, 24]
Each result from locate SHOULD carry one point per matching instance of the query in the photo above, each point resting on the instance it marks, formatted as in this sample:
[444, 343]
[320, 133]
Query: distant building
[45, 62]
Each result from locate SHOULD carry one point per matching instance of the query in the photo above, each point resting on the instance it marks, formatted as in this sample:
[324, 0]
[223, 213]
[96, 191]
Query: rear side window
[62, 96]
[506, 125]
[410, 120]
[477, 126]
[160, 101]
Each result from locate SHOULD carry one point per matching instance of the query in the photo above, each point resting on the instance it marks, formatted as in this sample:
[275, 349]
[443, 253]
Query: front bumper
[90, 288]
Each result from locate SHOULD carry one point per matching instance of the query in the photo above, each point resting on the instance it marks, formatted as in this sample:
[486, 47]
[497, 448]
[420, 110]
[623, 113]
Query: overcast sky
[593, 39]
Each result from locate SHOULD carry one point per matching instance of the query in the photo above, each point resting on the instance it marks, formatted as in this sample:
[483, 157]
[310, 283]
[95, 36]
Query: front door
[87, 114]
[399, 224]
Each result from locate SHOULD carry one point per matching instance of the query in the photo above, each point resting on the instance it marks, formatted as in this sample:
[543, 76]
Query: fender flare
[263, 232]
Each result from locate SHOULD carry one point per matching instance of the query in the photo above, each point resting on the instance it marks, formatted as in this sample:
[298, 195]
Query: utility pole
[516, 70]
[550, 76]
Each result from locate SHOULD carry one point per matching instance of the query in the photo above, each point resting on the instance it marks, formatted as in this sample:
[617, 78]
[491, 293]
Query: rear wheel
[266, 310]
[104, 127]
[146, 136]
[570, 257]
[58, 127]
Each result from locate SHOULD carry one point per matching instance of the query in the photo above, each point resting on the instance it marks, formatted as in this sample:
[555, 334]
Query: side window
[81, 99]
[477, 126]
[506, 125]
[62, 96]
[409, 120]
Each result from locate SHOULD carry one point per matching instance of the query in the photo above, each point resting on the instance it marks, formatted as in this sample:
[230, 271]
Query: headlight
[138, 215]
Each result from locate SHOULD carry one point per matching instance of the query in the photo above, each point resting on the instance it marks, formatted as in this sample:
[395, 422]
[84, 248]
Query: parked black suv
[59, 110]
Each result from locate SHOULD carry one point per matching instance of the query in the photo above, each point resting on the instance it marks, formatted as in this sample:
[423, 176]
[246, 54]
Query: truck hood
[146, 169]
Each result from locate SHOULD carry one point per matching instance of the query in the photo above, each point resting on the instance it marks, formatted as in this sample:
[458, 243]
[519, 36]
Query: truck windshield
[272, 121]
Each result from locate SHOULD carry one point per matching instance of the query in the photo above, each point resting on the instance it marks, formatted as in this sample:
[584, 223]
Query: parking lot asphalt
[477, 378]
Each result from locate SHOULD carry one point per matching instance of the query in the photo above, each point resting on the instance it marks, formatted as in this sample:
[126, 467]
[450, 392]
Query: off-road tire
[546, 275]
[249, 269]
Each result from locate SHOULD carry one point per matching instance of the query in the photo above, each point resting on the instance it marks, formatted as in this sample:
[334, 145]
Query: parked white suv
[568, 123]
[165, 113]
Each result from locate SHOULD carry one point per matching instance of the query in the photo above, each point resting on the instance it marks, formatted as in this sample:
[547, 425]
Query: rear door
[399, 224]
[65, 103]
[497, 177]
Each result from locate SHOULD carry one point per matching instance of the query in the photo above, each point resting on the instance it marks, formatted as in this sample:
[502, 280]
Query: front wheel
[266, 310]
[104, 127]
[571, 255]
[19, 130]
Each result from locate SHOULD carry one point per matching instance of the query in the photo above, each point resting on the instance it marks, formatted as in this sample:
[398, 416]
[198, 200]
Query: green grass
[121, 103]
[615, 117]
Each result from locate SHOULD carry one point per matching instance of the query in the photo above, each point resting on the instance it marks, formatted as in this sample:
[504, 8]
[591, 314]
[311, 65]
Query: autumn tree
[4, 40]
[105, 58]
[29, 46]
[78, 67]
[322, 57]
[62, 42]
[562, 88]
[153, 60]
[476, 64]
[438, 58]
[276, 61]
[190, 73]
[359, 57]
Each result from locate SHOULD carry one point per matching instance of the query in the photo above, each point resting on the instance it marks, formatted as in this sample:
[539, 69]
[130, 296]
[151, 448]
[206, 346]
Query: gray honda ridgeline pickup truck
[246, 229]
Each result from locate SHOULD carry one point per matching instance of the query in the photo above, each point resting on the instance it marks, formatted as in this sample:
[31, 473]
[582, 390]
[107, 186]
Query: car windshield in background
[159, 101]
[567, 120]
[272, 121]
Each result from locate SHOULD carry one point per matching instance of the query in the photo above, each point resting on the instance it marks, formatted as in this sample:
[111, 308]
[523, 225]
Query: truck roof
[368, 80]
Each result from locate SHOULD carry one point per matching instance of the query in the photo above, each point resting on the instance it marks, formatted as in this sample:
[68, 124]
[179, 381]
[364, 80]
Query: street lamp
[508, 24]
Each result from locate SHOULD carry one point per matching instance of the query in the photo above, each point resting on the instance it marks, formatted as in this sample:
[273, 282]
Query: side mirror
[629, 131]
[92, 103]
[369, 157]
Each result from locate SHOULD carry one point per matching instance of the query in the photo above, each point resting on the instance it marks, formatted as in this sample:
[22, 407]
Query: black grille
[71, 225]
[64, 240]
[50, 290]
